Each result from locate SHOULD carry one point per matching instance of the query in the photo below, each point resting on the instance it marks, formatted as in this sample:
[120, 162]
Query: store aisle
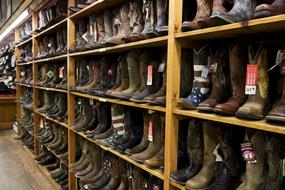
[18, 170]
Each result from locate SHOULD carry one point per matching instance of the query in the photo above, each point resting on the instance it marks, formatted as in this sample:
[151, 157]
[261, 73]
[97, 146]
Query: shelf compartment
[23, 64]
[51, 119]
[24, 42]
[260, 125]
[153, 42]
[51, 89]
[120, 102]
[56, 185]
[97, 6]
[268, 24]
[53, 28]
[154, 172]
[56, 58]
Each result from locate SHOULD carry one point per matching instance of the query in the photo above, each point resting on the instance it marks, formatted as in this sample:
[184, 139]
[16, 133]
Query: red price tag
[41, 123]
[149, 75]
[61, 69]
[251, 77]
[150, 132]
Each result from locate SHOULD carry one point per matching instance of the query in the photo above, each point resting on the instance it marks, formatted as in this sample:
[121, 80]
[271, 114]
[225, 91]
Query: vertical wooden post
[173, 87]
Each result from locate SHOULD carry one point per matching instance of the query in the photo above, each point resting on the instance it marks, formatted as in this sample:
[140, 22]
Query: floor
[18, 170]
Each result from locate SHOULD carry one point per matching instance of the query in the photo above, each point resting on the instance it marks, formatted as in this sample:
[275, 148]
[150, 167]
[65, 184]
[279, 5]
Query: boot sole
[205, 109]
[248, 115]
[275, 118]
[222, 112]
[181, 183]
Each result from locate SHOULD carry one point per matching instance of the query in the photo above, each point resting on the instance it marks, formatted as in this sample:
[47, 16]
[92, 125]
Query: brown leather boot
[145, 90]
[277, 112]
[256, 105]
[220, 80]
[266, 10]
[94, 77]
[255, 175]
[115, 180]
[144, 142]
[124, 28]
[238, 61]
[157, 161]
[155, 143]
[149, 19]
[136, 21]
[107, 26]
[162, 16]
[134, 70]
[87, 116]
[90, 68]
[201, 84]
[100, 33]
[242, 10]
[207, 174]
[204, 8]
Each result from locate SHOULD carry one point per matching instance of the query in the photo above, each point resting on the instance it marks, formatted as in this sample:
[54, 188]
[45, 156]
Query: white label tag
[49, 45]
[91, 101]
[280, 56]
[23, 73]
[87, 67]
[250, 90]
[79, 102]
[205, 72]
[161, 67]
[10, 78]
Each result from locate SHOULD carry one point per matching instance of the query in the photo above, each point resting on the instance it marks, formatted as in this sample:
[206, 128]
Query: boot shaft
[195, 142]
[133, 68]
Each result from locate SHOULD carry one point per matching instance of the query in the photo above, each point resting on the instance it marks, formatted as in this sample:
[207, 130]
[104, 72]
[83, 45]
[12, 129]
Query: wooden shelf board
[97, 6]
[269, 24]
[24, 42]
[177, 185]
[120, 102]
[51, 89]
[25, 85]
[52, 28]
[23, 64]
[53, 120]
[153, 42]
[56, 58]
[154, 172]
[261, 125]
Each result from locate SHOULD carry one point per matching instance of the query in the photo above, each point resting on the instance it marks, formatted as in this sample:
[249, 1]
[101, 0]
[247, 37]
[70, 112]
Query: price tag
[110, 72]
[150, 131]
[161, 67]
[41, 123]
[150, 111]
[102, 99]
[213, 67]
[251, 77]
[91, 30]
[61, 69]
[205, 72]
[149, 75]
[7, 66]
[49, 45]
[79, 102]
[91, 101]
[23, 73]
[10, 78]
[87, 67]
[248, 153]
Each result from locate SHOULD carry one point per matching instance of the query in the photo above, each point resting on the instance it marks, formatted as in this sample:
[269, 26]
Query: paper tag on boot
[155, 187]
[150, 131]
[23, 73]
[61, 69]
[219, 158]
[41, 123]
[161, 67]
[251, 78]
[149, 75]
[205, 72]
[213, 67]
[91, 101]
[248, 153]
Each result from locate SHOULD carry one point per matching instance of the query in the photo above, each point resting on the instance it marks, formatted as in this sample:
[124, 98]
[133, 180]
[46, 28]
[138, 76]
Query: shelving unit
[174, 42]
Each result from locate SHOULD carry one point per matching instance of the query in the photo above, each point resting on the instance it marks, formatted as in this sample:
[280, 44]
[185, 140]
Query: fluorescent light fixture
[20, 19]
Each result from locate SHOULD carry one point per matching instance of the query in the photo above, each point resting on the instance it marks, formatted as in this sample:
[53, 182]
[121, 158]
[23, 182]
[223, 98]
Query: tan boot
[207, 174]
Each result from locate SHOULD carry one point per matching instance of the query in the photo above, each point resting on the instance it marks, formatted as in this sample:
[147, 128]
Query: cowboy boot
[123, 25]
[266, 10]
[237, 62]
[162, 16]
[107, 26]
[115, 180]
[200, 87]
[242, 10]
[118, 81]
[80, 40]
[100, 33]
[255, 175]
[155, 143]
[135, 82]
[124, 75]
[136, 21]
[90, 68]
[145, 90]
[207, 174]
[204, 8]
[195, 153]
[86, 119]
[219, 70]
[144, 142]
[256, 105]
[104, 118]
[148, 14]
[276, 153]
[185, 72]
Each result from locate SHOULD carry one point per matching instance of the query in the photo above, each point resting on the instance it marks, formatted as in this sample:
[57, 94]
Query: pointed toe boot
[266, 10]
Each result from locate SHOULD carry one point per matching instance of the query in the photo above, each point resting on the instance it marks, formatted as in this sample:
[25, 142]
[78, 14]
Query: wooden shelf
[269, 24]
[177, 185]
[153, 42]
[56, 185]
[55, 155]
[120, 102]
[52, 29]
[25, 85]
[56, 58]
[154, 172]
[97, 6]
[261, 125]
[51, 119]
[24, 42]
[23, 64]
[51, 89]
